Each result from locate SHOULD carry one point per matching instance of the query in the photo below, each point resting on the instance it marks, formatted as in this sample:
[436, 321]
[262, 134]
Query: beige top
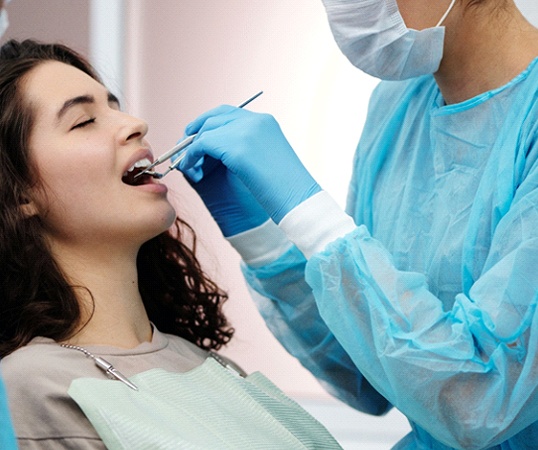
[38, 375]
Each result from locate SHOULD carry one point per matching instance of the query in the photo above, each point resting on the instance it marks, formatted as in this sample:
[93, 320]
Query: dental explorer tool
[177, 148]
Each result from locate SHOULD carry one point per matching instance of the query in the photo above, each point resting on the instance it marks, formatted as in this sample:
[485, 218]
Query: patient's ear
[28, 207]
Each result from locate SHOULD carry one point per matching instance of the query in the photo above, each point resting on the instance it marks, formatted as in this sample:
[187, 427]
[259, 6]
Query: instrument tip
[149, 173]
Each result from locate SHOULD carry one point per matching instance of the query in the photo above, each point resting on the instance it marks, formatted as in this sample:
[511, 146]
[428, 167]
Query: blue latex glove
[251, 146]
[228, 200]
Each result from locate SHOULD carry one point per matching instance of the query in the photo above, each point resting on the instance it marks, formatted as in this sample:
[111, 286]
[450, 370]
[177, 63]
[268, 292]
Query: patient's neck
[111, 304]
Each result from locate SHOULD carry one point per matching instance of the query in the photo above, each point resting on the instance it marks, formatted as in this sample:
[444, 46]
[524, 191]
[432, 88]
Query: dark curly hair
[35, 297]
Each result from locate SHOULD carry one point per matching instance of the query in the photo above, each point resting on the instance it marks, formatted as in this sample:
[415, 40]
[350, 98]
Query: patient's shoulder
[41, 358]
[37, 377]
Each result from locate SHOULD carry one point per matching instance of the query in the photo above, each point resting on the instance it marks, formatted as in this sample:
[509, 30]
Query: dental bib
[209, 407]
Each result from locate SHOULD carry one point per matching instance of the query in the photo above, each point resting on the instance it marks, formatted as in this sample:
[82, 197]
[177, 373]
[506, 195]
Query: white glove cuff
[261, 245]
[315, 223]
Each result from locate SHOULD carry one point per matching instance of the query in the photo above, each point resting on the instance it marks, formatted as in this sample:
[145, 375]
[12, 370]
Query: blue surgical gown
[429, 305]
[7, 439]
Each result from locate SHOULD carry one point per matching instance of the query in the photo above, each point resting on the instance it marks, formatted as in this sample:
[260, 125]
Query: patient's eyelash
[83, 124]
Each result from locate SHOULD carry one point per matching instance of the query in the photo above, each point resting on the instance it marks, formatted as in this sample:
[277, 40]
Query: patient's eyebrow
[82, 100]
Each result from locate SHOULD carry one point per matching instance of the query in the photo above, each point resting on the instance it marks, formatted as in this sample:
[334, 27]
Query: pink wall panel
[50, 20]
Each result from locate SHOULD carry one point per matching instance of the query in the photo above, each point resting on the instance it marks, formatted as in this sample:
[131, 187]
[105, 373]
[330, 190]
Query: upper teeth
[139, 164]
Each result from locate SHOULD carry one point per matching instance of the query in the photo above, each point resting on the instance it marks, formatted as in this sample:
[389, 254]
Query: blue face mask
[374, 37]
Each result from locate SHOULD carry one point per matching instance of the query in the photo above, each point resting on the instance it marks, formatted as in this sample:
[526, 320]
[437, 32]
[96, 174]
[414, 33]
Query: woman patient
[89, 267]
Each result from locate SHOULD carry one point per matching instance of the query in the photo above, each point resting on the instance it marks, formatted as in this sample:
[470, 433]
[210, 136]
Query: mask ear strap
[447, 13]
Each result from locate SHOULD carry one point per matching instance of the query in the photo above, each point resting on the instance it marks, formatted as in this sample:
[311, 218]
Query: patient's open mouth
[129, 177]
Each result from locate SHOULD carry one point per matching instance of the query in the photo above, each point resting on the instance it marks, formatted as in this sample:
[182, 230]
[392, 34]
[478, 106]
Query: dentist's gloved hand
[228, 200]
[251, 146]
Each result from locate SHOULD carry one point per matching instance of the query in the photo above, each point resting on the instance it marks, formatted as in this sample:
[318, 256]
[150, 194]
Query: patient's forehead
[51, 83]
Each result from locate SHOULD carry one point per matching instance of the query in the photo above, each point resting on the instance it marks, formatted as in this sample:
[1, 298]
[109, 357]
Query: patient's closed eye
[83, 124]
